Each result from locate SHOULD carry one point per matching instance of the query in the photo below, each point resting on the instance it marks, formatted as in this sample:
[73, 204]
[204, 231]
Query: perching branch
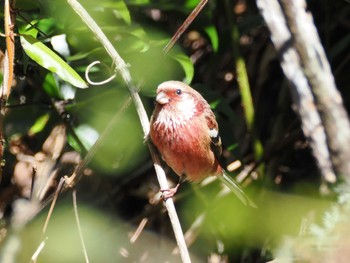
[122, 67]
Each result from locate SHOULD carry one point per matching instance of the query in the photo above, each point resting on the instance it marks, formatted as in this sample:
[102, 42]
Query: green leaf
[138, 2]
[29, 29]
[191, 4]
[214, 104]
[48, 59]
[51, 88]
[213, 35]
[39, 124]
[72, 141]
[187, 66]
[121, 11]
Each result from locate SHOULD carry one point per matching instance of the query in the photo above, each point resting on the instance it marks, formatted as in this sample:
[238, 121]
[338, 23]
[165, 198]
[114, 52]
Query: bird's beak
[162, 98]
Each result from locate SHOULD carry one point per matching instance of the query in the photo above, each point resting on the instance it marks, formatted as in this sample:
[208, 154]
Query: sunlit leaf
[29, 29]
[82, 55]
[213, 35]
[121, 11]
[191, 4]
[39, 124]
[187, 66]
[138, 2]
[214, 104]
[48, 59]
[87, 135]
[51, 88]
[72, 141]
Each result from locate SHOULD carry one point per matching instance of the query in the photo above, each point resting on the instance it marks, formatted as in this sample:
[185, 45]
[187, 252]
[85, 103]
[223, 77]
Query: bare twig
[139, 230]
[122, 67]
[303, 99]
[185, 25]
[37, 252]
[58, 190]
[75, 206]
[42, 244]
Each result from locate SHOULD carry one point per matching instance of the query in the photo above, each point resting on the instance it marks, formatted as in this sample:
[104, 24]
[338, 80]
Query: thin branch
[184, 26]
[42, 244]
[37, 252]
[122, 67]
[58, 190]
[76, 214]
[139, 230]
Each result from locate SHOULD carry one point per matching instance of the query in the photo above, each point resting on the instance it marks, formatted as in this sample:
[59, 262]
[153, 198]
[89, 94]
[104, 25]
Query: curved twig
[76, 214]
[87, 71]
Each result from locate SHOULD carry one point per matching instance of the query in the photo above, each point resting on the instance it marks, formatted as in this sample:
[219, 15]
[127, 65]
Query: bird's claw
[169, 193]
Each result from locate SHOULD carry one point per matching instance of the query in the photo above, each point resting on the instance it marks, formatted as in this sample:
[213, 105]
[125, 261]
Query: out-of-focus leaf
[191, 4]
[82, 55]
[28, 4]
[29, 29]
[51, 88]
[87, 135]
[72, 141]
[213, 35]
[187, 66]
[214, 104]
[60, 45]
[47, 25]
[48, 59]
[232, 147]
[39, 124]
[138, 2]
[121, 11]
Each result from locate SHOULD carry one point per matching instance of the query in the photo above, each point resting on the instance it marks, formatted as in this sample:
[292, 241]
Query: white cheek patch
[178, 115]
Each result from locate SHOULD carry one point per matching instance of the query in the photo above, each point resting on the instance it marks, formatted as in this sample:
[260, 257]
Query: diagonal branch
[185, 25]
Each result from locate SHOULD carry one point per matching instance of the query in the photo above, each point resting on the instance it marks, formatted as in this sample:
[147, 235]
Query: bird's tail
[236, 189]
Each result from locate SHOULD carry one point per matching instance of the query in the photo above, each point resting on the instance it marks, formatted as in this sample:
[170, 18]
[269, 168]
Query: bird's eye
[178, 92]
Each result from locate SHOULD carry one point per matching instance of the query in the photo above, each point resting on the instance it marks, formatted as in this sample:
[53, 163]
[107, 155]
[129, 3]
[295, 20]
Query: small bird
[184, 130]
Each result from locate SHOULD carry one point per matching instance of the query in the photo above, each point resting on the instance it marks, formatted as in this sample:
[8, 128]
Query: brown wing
[216, 145]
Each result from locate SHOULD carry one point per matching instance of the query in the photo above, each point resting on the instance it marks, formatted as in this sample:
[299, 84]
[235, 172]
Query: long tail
[236, 189]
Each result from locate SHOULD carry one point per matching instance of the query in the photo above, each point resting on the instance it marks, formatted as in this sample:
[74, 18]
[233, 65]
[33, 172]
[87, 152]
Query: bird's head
[177, 97]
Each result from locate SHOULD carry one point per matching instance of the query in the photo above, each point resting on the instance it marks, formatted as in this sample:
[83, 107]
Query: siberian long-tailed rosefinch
[185, 132]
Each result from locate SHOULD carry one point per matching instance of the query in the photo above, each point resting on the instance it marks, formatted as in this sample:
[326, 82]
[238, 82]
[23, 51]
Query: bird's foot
[169, 193]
